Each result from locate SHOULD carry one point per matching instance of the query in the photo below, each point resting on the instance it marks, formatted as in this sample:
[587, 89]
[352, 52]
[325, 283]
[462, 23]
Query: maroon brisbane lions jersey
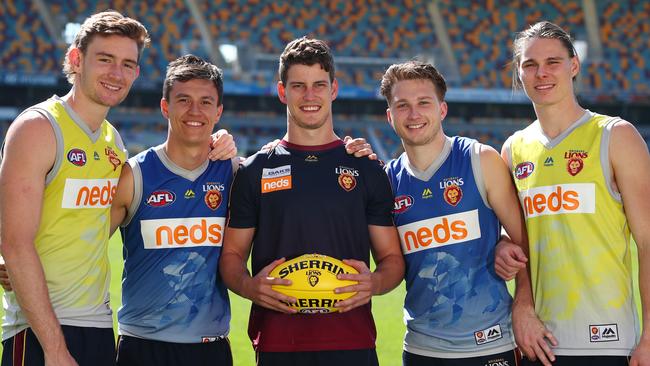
[310, 199]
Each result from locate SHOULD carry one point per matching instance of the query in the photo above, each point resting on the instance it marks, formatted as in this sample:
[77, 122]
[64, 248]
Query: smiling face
[415, 112]
[308, 94]
[546, 71]
[107, 70]
[192, 110]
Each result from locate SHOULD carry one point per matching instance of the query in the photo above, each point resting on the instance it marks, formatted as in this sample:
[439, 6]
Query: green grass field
[387, 311]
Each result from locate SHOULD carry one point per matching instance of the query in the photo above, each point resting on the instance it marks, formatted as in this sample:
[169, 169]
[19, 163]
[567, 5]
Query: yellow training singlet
[579, 238]
[73, 234]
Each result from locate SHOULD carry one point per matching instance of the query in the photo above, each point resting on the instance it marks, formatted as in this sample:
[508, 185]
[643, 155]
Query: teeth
[415, 126]
[311, 108]
[111, 87]
[194, 123]
[543, 87]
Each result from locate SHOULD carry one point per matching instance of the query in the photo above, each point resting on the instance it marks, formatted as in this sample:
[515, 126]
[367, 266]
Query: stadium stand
[366, 36]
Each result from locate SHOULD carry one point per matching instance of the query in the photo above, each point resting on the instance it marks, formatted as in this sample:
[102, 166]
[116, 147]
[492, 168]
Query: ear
[219, 112]
[575, 66]
[164, 108]
[75, 56]
[335, 89]
[282, 92]
[443, 110]
[389, 118]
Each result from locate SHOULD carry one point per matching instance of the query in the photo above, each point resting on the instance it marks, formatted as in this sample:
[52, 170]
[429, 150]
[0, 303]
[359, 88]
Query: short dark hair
[190, 67]
[545, 30]
[104, 24]
[412, 70]
[306, 51]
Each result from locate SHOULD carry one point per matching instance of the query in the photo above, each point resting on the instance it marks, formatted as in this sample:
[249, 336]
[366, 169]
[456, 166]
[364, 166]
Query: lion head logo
[213, 199]
[453, 194]
[574, 166]
[347, 182]
[313, 280]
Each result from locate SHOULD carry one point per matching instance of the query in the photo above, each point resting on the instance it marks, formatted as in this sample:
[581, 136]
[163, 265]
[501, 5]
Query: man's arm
[29, 155]
[631, 169]
[388, 273]
[232, 267]
[530, 333]
[123, 198]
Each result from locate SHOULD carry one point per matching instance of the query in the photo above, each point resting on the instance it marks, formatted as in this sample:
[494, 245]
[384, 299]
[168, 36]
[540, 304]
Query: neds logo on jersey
[524, 170]
[161, 198]
[439, 231]
[77, 157]
[559, 199]
[402, 203]
[88, 193]
[180, 233]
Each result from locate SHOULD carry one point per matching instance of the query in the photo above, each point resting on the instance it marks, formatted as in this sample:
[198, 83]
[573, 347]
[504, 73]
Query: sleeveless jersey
[455, 306]
[579, 238]
[73, 233]
[171, 288]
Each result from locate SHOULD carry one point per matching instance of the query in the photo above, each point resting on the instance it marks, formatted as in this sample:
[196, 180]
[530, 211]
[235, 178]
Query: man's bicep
[123, 198]
[29, 154]
[384, 241]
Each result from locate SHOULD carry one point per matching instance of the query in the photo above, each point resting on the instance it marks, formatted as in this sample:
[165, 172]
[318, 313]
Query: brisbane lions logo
[347, 182]
[213, 199]
[112, 158]
[453, 194]
[574, 166]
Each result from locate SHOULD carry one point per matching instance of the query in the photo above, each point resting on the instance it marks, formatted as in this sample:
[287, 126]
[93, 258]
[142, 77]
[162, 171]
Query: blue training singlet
[455, 306]
[171, 287]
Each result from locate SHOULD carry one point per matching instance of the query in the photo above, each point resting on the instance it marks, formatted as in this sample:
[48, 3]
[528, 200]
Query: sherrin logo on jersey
[524, 170]
[439, 231]
[182, 233]
[77, 157]
[276, 179]
[559, 199]
[88, 193]
[402, 203]
[160, 198]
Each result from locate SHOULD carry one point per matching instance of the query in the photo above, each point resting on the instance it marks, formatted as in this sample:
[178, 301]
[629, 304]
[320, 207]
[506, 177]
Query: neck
[186, 157]
[422, 156]
[91, 113]
[557, 118]
[310, 137]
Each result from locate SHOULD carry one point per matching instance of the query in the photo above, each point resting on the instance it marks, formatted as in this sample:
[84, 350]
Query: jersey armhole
[604, 158]
[475, 158]
[137, 191]
[58, 137]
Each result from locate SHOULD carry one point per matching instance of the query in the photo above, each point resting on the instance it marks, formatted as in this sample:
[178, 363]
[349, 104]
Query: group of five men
[433, 217]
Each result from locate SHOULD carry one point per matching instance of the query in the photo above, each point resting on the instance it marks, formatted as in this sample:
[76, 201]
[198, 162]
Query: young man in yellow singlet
[582, 179]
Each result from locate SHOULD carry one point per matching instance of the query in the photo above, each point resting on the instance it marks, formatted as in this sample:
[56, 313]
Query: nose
[194, 108]
[414, 113]
[309, 94]
[116, 71]
[541, 71]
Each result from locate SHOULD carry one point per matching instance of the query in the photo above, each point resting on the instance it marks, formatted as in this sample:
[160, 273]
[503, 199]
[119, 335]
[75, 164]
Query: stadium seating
[25, 44]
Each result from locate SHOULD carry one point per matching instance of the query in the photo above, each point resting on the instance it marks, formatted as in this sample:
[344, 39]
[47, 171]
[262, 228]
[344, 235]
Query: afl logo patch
[161, 199]
[77, 157]
[453, 194]
[213, 199]
[524, 170]
[402, 203]
[347, 182]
